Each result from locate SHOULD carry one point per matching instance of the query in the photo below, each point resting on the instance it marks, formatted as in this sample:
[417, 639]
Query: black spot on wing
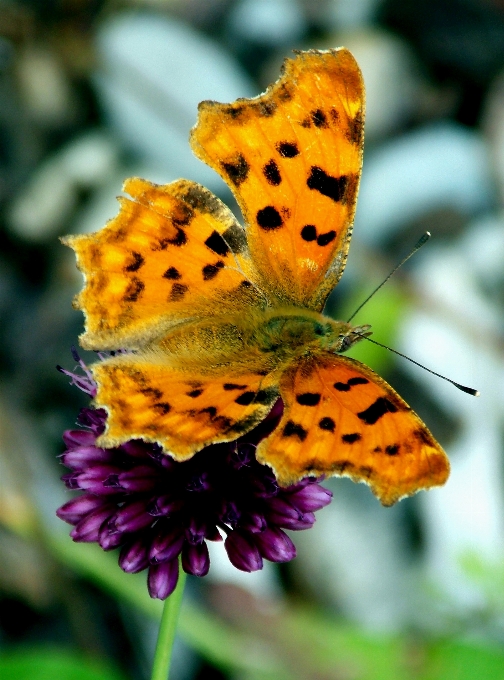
[271, 172]
[173, 274]
[266, 109]
[211, 410]
[308, 398]
[327, 424]
[357, 381]
[339, 466]
[233, 386]
[237, 170]
[319, 118]
[350, 438]
[210, 271]
[134, 290]
[177, 292]
[392, 449]
[287, 149]
[309, 232]
[178, 240]
[162, 407]
[217, 244]
[233, 111]
[262, 397]
[341, 387]
[245, 399]
[327, 185]
[355, 129]
[325, 239]
[269, 218]
[293, 429]
[138, 261]
[152, 392]
[194, 393]
[182, 215]
[377, 410]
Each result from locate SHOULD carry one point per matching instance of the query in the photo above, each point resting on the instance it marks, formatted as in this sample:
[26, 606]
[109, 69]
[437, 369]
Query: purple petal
[74, 438]
[138, 479]
[109, 539]
[166, 545]
[73, 511]
[275, 545]
[136, 448]
[132, 517]
[94, 418]
[312, 497]
[195, 559]
[281, 508]
[305, 521]
[242, 551]
[254, 522]
[71, 480]
[88, 529]
[82, 457]
[94, 479]
[164, 505]
[229, 514]
[162, 579]
[196, 530]
[133, 557]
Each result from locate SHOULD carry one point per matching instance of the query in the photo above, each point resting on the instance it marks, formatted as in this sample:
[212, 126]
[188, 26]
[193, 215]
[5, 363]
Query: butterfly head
[351, 335]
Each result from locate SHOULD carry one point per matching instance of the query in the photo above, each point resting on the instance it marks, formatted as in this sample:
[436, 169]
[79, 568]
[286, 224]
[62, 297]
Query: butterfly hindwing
[171, 254]
[182, 411]
[341, 418]
[293, 158]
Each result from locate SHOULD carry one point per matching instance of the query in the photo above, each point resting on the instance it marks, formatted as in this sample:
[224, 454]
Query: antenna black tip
[467, 390]
[422, 240]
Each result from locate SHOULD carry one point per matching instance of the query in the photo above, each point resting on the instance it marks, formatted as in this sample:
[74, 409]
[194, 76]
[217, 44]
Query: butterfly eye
[346, 343]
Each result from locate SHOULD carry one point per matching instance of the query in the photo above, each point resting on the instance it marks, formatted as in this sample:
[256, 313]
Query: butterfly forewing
[170, 253]
[293, 158]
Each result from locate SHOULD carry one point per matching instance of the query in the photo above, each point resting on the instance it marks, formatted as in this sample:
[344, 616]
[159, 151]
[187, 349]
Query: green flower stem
[167, 628]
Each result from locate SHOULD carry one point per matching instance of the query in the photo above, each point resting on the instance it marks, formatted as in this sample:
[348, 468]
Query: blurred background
[93, 91]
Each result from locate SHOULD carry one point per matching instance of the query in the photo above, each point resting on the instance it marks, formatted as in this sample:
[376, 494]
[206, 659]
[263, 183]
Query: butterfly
[222, 320]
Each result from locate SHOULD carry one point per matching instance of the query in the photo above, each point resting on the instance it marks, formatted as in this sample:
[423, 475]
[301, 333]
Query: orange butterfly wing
[341, 418]
[293, 158]
[168, 256]
[183, 411]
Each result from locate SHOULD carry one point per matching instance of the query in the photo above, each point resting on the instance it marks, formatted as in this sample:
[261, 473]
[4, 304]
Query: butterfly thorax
[291, 331]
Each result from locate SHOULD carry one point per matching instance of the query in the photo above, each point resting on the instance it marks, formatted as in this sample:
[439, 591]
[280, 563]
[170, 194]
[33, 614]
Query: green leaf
[451, 660]
[50, 664]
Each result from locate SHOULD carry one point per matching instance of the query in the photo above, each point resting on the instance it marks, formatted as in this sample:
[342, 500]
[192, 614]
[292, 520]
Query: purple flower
[155, 509]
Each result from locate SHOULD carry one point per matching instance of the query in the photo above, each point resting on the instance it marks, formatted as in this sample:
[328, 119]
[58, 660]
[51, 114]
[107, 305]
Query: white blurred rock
[44, 86]
[46, 202]
[267, 22]
[439, 166]
[457, 336]
[353, 558]
[493, 124]
[349, 14]
[154, 71]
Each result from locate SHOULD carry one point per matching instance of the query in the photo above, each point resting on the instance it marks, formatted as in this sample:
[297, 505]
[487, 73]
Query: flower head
[156, 509]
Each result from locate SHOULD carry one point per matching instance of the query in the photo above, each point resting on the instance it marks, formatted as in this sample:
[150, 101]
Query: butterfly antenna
[421, 242]
[463, 388]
